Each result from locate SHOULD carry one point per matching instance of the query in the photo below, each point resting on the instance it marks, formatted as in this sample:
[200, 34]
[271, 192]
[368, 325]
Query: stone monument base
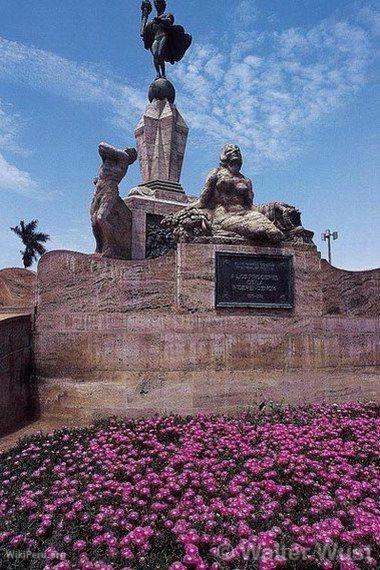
[140, 337]
[151, 202]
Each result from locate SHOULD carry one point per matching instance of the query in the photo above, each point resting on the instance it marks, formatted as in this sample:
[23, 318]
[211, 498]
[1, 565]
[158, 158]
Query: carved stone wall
[17, 290]
[129, 337]
[16, 404]
[354, 293]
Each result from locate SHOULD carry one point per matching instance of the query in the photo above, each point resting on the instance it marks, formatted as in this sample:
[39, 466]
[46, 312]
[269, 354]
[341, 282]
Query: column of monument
[161, 133]
[161, 137]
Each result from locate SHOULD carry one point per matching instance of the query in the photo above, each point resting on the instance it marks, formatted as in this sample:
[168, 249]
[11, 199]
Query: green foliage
[32, 240]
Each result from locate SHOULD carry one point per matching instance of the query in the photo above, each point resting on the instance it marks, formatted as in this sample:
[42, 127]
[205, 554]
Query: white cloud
[15, 180]
[264, 90]
[370, 16]
[12, 179]
[246, 14]
[261, 91]
[79, 82]
[9, 130]
[44, 70]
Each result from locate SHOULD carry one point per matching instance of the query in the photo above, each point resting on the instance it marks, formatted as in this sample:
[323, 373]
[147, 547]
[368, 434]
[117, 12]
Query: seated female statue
[228, 198]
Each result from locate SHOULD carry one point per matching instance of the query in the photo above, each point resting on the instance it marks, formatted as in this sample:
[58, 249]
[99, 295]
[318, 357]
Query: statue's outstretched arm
[146, 8]
[206, 199]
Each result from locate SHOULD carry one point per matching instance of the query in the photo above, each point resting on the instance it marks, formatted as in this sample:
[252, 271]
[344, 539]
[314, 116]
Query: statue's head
[160, 6]
[231, 157]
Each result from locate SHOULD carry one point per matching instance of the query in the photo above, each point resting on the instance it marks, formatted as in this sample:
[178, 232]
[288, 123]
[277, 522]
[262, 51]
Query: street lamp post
[326, 236]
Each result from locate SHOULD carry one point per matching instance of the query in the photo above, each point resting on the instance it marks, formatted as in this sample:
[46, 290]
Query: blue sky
[291, 81]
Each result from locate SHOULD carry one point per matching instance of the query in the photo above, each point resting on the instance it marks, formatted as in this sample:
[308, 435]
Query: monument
[235, 309]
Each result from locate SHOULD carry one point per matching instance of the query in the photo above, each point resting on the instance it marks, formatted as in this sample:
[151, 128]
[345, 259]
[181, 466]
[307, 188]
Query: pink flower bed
[296, 488]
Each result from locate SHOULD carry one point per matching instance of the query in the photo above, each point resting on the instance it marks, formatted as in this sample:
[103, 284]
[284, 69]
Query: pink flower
[127, 553]
[206, 486]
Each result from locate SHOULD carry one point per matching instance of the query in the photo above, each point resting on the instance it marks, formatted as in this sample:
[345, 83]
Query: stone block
[195, 272]
[141, 206]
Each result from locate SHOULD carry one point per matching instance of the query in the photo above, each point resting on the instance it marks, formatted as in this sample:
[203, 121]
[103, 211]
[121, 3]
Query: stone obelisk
[161, 137]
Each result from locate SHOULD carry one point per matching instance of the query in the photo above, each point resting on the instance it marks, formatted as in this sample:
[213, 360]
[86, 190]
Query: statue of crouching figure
[225, 210]
[111, 219]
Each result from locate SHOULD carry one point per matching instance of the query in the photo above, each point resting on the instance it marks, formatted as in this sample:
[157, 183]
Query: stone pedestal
[147, 205]
[141, 337]
[161, 137]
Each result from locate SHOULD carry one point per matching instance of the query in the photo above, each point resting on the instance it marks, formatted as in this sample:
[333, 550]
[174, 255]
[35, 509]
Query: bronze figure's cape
[178, 42]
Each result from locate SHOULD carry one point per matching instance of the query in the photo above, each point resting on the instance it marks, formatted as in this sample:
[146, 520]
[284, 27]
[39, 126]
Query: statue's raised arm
[146, 8]
[166, 41]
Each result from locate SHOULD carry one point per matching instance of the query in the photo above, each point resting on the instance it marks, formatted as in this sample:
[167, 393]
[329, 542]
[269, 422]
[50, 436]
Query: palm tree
[32, 240]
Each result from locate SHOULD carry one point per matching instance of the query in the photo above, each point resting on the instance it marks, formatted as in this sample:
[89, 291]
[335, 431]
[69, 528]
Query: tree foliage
[32, 240]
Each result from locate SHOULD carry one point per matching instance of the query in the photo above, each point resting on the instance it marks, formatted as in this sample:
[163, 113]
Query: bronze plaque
[246, 280]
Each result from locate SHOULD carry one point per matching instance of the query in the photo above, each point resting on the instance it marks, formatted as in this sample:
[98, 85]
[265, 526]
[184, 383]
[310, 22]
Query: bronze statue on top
[225, 211]
[167, 42]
